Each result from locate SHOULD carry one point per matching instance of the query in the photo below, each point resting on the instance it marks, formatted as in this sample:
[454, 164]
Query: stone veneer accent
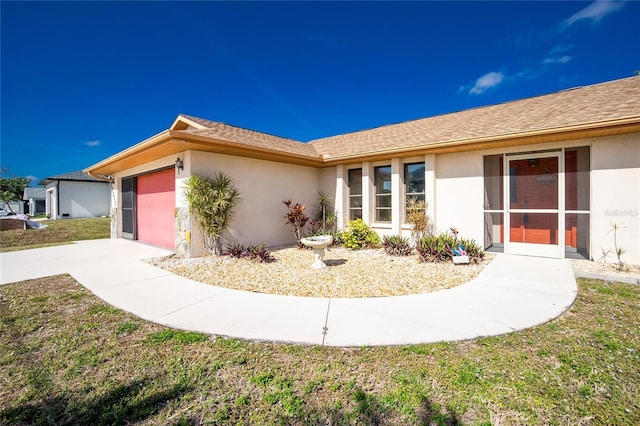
[114, 222]
[183, 232]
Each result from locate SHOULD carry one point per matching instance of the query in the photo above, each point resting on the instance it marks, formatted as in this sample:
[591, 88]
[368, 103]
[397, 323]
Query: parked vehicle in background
[5, 212]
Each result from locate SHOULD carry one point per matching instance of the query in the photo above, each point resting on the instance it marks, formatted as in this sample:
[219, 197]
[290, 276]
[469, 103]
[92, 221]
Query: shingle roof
[602, 109]
[248, 137]
[590, 104]
[35, 193]
[76, 176]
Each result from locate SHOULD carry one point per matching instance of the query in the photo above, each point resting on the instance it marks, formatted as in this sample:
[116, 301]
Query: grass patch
[67, 357]
[58, 232]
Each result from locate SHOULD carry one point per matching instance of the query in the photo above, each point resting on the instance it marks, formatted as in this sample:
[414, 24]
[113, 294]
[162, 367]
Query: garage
[155, 207]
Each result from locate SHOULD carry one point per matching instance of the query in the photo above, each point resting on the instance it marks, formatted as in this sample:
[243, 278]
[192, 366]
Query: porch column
[339, 203]
[367, 188]
[116, 191]
[183, 230]
[430, 189]
[396, 196]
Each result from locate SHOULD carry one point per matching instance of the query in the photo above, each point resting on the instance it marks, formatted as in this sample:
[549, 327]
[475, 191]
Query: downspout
[57, 199]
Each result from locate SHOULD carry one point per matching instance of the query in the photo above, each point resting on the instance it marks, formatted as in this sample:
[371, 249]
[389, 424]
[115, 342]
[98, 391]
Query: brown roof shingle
[590, 104]
[225, 132]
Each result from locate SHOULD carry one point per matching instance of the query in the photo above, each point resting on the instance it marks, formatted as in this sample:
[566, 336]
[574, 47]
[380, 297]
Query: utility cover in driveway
[155, 208]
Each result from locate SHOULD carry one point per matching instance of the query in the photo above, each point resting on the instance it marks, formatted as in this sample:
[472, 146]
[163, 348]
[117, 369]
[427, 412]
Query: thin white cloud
[595, 12]
[92, 143]
[486, 82]
[561, 48]
[557, 60]
[32, 178]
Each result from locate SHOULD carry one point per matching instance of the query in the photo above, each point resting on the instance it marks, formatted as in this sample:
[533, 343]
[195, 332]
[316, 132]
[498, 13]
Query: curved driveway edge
[511, 293]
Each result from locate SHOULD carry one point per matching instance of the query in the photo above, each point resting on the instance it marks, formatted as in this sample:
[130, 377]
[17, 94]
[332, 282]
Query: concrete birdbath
[318, 244]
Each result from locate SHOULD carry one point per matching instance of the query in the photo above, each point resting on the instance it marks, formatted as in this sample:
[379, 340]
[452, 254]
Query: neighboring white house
[76, 195]
[544, 176]
[35, 198]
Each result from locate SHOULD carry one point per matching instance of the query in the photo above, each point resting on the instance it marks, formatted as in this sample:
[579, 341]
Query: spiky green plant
[211, 201]
[326, 216]
[417, 217]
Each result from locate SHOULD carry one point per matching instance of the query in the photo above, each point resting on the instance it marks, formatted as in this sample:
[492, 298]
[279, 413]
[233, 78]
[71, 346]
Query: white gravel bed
[609, 268]
[350, 273]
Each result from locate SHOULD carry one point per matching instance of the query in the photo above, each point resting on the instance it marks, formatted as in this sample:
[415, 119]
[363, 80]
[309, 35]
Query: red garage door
[156, 203]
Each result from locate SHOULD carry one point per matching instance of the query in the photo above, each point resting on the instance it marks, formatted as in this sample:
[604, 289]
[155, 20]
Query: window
[355, 194]
[382, 178]
[413, 183]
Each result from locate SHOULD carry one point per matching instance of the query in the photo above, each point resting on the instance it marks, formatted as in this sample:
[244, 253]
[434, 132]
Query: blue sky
[81, 81]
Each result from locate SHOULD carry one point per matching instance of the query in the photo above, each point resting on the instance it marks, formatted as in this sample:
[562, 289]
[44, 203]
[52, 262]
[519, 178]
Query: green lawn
[68, 358]
[57, 232]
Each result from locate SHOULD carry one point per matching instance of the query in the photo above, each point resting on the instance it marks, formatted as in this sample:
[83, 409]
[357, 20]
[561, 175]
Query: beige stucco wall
[615, 195]
[459, 194]
[263, 186]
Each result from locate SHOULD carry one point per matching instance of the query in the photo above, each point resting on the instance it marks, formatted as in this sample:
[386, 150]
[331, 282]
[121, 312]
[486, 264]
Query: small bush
[295, 217]
[260, 253]
[359, 235]
[473, 249]
[396, 245]
[236, 250]
[437, 248]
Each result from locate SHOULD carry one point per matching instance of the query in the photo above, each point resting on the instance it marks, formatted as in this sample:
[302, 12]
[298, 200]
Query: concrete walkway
[512, 293]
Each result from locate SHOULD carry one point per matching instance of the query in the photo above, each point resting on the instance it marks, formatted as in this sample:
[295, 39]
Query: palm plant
[325, 214]
[417, 217]
[211, 201]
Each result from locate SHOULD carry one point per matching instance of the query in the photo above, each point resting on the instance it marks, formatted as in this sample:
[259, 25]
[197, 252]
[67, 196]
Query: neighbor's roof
[71, 176]
[591, 111]
[35, 193]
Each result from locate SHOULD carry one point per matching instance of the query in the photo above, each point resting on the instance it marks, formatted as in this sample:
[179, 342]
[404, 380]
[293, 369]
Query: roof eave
[102, 167]
[240, 149]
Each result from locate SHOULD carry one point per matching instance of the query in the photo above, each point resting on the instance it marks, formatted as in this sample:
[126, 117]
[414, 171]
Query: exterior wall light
[179, 164]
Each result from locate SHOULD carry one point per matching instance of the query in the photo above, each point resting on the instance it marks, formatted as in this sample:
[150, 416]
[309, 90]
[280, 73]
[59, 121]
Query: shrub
[260, 253]
[236, 250]
[417, 217]
[473, 249]
[358, 235]
[396, 245]
[211, 201]
[295, 217]
[325, 218]
[437, 248]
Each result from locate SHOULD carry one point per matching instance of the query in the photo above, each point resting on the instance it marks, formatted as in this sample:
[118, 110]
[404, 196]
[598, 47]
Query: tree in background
[11, 187]
[211, 201]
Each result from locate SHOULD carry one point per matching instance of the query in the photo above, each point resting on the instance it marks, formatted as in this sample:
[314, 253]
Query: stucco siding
[263, 185]
[459, 194]
[83, 199]
[615, 194]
